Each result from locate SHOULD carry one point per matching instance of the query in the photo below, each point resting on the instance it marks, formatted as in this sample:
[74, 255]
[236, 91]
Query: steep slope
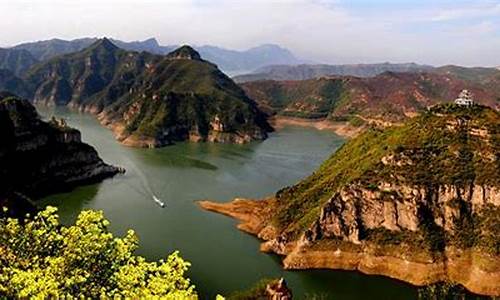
[90, 79]
[150, 100]
[16, 61]
[10, 82]
[304, 71]
[418, 202]
[40, 157]
[184, 97]
[388, 97]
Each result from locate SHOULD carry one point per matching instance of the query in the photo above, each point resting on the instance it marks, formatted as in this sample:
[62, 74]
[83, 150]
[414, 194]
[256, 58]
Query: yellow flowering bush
[39, 258]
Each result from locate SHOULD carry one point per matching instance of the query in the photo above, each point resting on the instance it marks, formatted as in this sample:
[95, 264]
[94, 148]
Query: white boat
[158, 201]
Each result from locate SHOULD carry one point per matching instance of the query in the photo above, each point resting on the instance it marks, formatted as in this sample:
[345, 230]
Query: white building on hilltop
[465, 98]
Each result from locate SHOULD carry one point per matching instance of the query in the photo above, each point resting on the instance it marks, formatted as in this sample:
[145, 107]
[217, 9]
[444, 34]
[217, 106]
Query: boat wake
[144, 188]
[160, 203]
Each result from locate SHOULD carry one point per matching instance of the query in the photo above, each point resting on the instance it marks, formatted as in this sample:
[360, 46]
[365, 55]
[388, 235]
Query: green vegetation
[40, 258]
[388, 97]
[155, 97]
[256, 292]
[448, 145]
[16, 61]
[446, 291]
[311, 99]
[185, 95]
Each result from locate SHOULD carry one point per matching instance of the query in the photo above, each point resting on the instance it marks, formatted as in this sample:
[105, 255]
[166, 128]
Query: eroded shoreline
[466, 267]
[343, 129]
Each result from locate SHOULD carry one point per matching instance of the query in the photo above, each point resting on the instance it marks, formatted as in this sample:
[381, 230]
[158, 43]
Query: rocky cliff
[40, 157]
[418, 202]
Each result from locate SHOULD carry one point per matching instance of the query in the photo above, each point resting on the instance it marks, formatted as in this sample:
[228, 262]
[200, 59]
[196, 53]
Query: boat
[158, 201]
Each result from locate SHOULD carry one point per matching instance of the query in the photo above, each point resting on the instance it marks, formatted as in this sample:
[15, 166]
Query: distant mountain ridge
[227, 60]
[306, 71]
[387, 98]
[251, 59]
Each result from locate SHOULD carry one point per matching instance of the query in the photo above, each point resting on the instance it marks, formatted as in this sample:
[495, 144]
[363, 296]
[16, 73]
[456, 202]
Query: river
[223, 258]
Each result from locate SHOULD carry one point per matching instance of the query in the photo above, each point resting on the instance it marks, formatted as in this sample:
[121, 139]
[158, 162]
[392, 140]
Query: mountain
[44, 50]
[184, 97]
[38, 157]
[304, 71]
[89, 79]
[10, 82]
[227, 60]
[150, 45]
[386, 98]
[16, 61]
[418, 202]
[151, 100]
[476, 74]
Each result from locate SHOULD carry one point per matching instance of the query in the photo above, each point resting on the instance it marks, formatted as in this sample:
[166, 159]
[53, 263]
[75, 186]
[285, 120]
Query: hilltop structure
[465, 98]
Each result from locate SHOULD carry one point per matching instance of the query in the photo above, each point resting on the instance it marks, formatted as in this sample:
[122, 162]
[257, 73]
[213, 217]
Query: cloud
[324, 31]
[483, 11]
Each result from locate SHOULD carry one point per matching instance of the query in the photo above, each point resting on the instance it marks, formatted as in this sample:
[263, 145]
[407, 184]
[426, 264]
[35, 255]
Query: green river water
[223, 258]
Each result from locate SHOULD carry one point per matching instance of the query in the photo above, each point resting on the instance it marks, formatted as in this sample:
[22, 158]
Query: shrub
[40, 258]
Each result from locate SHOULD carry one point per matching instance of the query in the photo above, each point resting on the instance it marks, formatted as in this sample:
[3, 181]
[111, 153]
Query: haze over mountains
[307, 71]
[231, 61]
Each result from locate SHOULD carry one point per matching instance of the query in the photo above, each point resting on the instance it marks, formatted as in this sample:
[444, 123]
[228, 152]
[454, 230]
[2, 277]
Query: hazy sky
[337, 31]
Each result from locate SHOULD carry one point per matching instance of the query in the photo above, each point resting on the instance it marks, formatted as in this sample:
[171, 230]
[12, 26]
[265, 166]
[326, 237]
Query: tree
[39, 258]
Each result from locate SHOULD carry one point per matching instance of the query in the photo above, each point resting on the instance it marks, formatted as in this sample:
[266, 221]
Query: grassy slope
[440, 157]
[188, 92]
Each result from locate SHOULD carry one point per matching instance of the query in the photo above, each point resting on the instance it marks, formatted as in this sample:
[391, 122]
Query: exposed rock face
[348, 213]
[278, 290]
[40, 157]
[419, 202]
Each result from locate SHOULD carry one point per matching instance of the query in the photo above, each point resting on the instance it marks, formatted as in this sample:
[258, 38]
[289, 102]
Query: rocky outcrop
[418, 202]
[278, 290]
[396, 208]
[333, 242]
[39, 158]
